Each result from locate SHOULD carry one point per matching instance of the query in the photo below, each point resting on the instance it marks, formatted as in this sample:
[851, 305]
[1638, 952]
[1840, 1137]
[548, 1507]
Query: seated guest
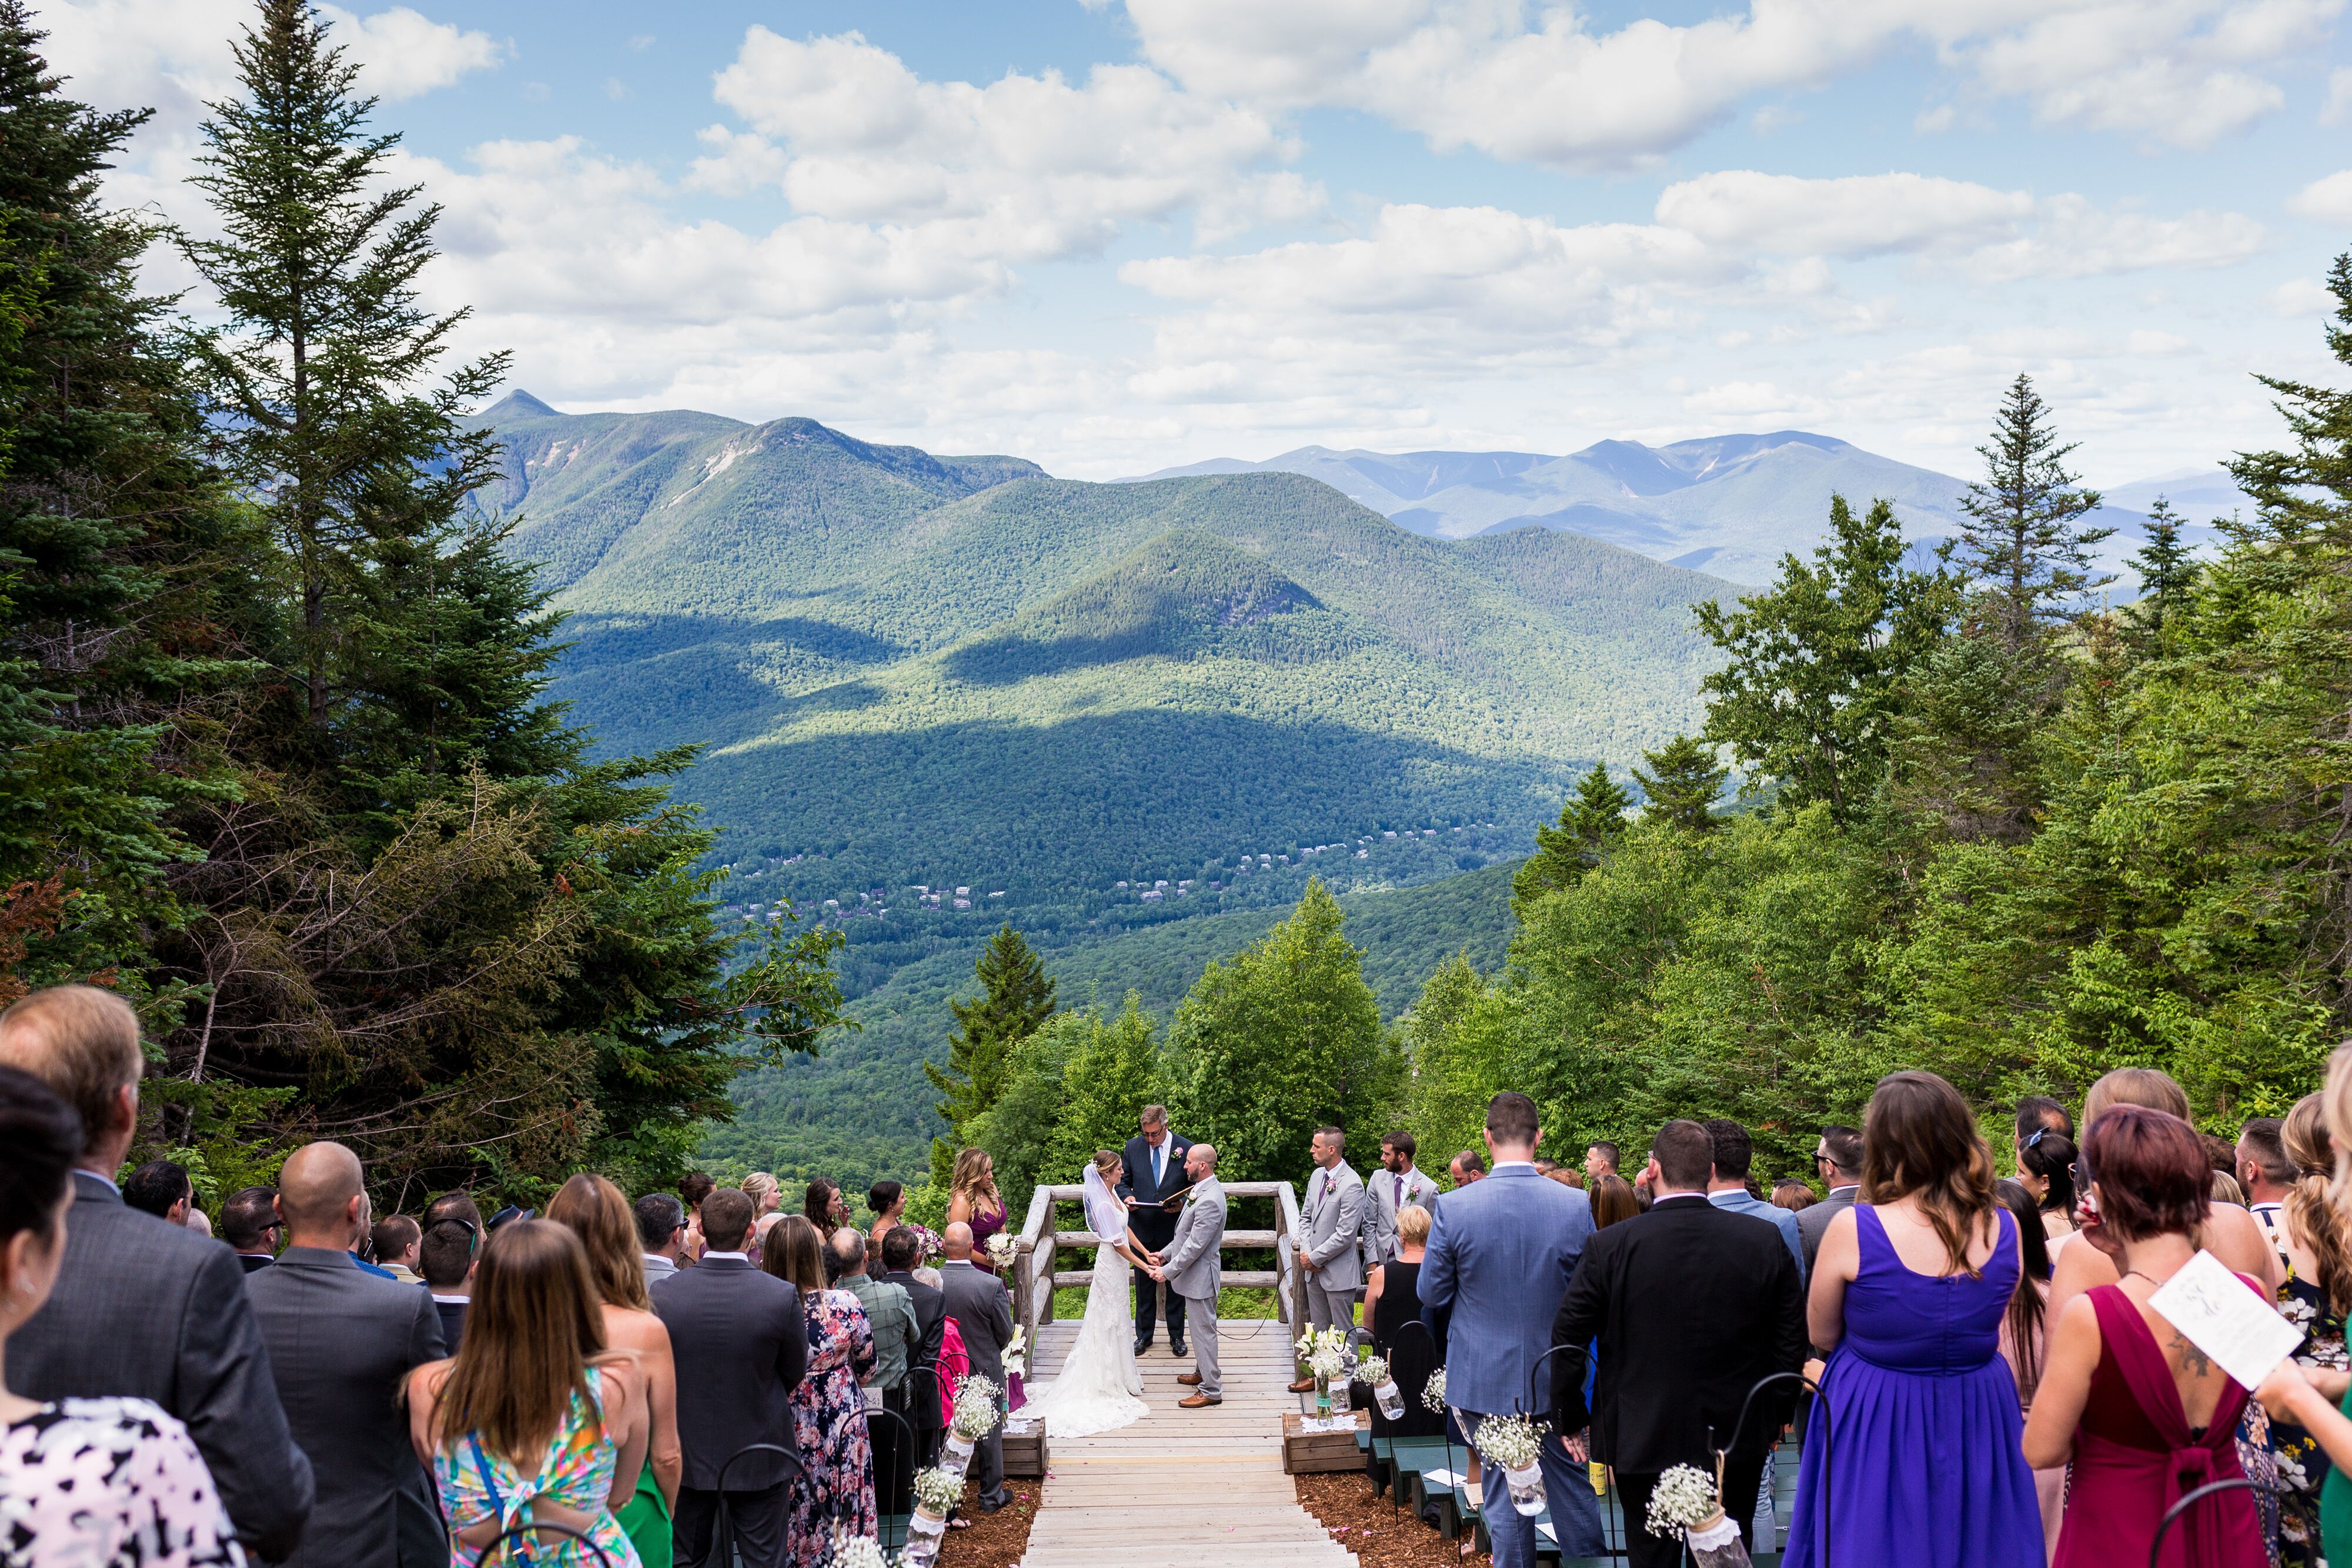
[249, 1225]
[980, 1314]
[161, 1188]
[661, 1236]
[141, 1309]
[445, 1256]
[342, 1344]
[95, 1483]
[890, 1313]
[1392, 1300]
[392, 1244]
[597, 1212]
[745, 1347]
[902, 1250]
[534, 1416]
[837, 1484]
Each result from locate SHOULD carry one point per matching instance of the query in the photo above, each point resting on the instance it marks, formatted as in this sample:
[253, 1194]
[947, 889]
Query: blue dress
[1923, 1444]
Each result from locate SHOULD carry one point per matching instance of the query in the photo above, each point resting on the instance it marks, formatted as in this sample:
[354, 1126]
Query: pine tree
[1682, 784]
[1587, 821]
[1016, 997]
[2166, 569]
[2021, 540]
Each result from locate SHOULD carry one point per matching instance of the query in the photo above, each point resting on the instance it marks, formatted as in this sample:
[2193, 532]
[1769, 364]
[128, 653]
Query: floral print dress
[575, 1472]
[2302, 1463]
[108, 1483]
[829, 1432]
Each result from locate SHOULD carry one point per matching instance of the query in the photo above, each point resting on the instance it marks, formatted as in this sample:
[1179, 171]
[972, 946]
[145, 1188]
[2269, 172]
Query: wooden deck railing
[1036, 1276]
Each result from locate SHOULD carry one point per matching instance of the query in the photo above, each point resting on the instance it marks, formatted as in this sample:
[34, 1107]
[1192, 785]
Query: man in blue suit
[1501, 1252]
[1734, 1155]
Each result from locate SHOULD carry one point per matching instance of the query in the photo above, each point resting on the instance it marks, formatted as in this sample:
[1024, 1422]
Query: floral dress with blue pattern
[576, 1472]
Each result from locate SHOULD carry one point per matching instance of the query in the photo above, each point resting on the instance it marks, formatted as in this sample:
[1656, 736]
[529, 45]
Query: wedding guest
[250, 1226]
[1735, 1156]
[1501, 1253]
[139, 1309]
[1911, 1290]
[886, 1201]
[1465, 1167]
[2038, 1113]
[2264, 1172]
[534, 1415]
[2311, 1242]
[2025, 1338]
[1794, 1196]
[692, 1189]
[823, 1206]
[199, 1222]
[745, 1347]
[902, 1252]
[973, 1200]
[1692, 1306]
[392, 1244]
[1393, 1299]
[1612, 1200]
[1601, 1159]
[982, 1315]
[837, 1484]
[160, 1187]
[661, 1235]
[1837, 1161]
[445, 1256]
[342, 1344]
[2046, 1167]
[890, 1314]
[598, 1213]
[2144, 1415]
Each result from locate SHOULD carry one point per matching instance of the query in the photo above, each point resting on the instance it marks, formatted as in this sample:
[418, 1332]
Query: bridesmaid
[972, 1198]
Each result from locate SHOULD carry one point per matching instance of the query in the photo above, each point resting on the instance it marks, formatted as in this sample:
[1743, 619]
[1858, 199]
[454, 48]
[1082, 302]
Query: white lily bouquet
[1323, 1352]
[1511, 1444]
[1432, 1392]
[1374, 1370]
[1016, 1354]
[857, 1552]
[1002, 1249]
[1684, 1503]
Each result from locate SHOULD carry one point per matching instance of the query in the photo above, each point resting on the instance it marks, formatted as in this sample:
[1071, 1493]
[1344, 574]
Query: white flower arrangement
[1002, 1249]
[1372, 1369]
[1683, 1498]
[976, 1404]
[857, 1551]
[939, 1490]
[1509, 1442]
[1323, 1352]
[1016, 1354]
[1432, 1392]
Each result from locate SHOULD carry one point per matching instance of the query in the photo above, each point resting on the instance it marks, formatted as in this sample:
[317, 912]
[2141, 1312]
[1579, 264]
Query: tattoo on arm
[2197, 1362]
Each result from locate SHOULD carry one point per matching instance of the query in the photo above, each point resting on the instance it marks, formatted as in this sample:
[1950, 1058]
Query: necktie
[1159, 1166]
[1398, 1201]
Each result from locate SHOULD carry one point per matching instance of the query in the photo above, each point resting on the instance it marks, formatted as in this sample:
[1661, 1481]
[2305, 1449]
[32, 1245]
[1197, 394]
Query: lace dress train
[1098, 1387]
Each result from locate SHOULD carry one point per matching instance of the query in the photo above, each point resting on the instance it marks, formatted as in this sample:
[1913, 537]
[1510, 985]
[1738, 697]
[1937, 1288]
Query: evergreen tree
[1587, 821]
[2022, 541]
[2166, 569]
[1682, 784]
[1016, 997]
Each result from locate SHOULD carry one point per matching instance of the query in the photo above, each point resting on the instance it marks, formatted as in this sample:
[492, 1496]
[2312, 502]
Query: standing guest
[1601, 1159]
[1912, 1288]
[1331, 1220]
[836, 1482]
[745, 1349]
[1837, 1160]
[2264, 1173]
[2144, 1415]
[1465, 1167]
[822, 1206]
[692, 1189]
[1501, 1253]
[973, 1200]
[161, 1189]
[890, 1314]
[597, 1212]
[392, 1243]
[1612, 1200]
[766, 1197]
[342, 1344]
[2024, 1339]
[2038, 1113]
[886, 1201]
[2045, 1168]
[1396, 1187]
[2310, 1240]
[199, 1222]
[141, 1309]
[955, 1361]
[445, 1256]
[249, 1225]
[93, 1483]
[1735, 1156]
[902, 1250]
[983, 1314]
[1154, 1171]
[661, 1236]
[1693, 1305]
[1794, 1196]
[1392, 1300]
[534, 1421]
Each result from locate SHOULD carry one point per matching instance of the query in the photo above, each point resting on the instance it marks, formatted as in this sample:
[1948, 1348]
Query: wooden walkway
[1183, 1489]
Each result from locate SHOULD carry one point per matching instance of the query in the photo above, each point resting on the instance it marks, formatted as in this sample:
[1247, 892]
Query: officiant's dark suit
[1692, 1304]
[1152, 1174]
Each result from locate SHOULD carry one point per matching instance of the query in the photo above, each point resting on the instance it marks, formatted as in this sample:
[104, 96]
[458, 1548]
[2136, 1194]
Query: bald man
[983, 1314]
[341, 1342]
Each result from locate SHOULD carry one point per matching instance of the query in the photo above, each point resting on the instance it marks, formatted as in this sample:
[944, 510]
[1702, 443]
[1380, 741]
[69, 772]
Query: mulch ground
[995, 1540]
[1380, 1536]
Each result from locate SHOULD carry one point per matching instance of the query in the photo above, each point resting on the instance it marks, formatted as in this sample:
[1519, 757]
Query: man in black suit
[342, 1344]
[446, 1258]
[901, 1252]
[741, 1347]
[1693, 1305]
[141, 1308]
[983, 1314]
[1155, 1169]
[249, 1225]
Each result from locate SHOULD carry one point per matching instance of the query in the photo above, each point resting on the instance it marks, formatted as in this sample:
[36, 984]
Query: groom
[1155, 1169]
[1193, 1273]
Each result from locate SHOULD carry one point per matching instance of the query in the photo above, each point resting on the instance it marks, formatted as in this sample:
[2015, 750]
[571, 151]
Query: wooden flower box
[1318, 1453]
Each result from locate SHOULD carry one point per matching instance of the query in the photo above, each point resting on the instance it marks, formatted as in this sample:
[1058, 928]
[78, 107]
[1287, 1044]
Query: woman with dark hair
[2045, 1168]
[887, 1202]
[822, 1206]
[97, 1483]
[534, 1421]
[1910, 1290]
[1612, 1200]
[2145, 1415]
[837, 1485]
[2024, 1337]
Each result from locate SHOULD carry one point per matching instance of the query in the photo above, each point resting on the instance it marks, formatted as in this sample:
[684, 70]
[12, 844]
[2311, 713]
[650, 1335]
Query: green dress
[644, 1518]
[2336, 1506]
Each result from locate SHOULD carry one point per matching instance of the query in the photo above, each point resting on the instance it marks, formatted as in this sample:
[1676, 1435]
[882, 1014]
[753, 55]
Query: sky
[1113, 235]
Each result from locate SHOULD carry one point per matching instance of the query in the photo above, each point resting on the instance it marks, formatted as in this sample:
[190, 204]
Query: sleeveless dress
[1098, 1387]
[2302, 1465]
[1925, 1466]
[829, 1433]
[985, 1226]
[1412, 1356]
[576, 1472]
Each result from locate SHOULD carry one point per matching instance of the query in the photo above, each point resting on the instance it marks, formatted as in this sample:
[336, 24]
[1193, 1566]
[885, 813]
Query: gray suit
[1333, 1219]
[1384, 1193]
[156, 1312]
[1813, 1223]
[1194, 1271]
[340, 1342]
[983, 1315]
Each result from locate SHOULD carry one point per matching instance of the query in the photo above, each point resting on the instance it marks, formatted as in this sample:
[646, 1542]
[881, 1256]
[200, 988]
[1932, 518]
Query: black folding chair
[1820, 1413]
[525, 1536]
[1611, 1548]
[2190, 1500]
[894, 1496]
[725, 1549]
[1396, 1473]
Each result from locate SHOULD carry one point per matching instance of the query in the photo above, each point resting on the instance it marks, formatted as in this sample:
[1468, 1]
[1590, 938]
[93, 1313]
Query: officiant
[1155, 1172]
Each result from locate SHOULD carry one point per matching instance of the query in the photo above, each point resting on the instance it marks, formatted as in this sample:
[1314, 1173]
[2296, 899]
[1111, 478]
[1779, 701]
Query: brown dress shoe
[1304, 1386]
[1190, 1379]
[1198, 1401]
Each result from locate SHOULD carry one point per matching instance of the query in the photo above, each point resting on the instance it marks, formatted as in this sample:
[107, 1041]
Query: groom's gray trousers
[1202, 1313]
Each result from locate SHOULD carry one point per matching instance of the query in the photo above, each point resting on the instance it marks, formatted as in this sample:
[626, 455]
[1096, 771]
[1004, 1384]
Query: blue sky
[1120, 235]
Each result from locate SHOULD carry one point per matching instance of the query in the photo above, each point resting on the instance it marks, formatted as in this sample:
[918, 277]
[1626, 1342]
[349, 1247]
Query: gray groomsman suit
[1333, 1215]
[1386, 1192]
[1195, 1273]
[983, 1315]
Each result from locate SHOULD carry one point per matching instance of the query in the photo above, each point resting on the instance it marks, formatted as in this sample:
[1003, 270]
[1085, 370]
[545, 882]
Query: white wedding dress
[1098, 1387]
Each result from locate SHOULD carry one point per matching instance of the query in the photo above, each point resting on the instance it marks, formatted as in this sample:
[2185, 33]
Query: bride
[1099, 1387]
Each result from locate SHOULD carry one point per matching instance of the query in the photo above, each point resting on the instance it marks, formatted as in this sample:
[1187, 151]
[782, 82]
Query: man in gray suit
[1838, 1158]
[141, 1308]
[1395, 1185]
[1331, 1221]
[1193, 1271]
[342, 1344]
[983, 1315]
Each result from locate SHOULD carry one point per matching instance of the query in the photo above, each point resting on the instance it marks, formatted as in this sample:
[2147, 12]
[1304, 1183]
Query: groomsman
[1331, 1223]
[1155, 1170]
[1395, 1187]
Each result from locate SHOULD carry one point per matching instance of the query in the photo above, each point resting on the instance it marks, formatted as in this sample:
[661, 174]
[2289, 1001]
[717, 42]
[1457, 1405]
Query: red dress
[2135, 1457]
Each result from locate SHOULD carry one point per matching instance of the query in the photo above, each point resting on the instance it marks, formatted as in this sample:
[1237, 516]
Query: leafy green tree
[2168, 570]
[1446, 1102]
[1114, 1074]
[1281, 1039]
[2022, 541]
[1587, 821]
[1018, 1130]
[1682, 784]
[1016, 998]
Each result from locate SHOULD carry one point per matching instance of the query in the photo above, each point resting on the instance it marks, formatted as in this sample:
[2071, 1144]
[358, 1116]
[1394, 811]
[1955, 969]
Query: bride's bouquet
[1684, 1503]
[1511, 1444]
[1016, 1353]
[1002, 1249]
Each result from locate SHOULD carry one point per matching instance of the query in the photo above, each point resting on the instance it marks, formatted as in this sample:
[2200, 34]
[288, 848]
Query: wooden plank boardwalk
[1183, 1489]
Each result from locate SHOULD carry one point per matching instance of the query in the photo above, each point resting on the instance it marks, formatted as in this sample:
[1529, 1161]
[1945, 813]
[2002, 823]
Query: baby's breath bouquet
[1684, 1503]
[1432, 1392]
[1374, 1370]
[857, 1552]
[976, 1407]
[935, 1491]
[938, 1491]
[1511, 1444]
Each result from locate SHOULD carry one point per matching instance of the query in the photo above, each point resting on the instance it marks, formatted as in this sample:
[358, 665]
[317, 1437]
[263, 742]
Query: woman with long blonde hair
[764, 1191]
[973, 1200]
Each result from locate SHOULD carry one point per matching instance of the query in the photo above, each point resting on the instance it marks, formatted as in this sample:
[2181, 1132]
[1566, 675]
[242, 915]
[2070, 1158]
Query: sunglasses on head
[2039, 1133]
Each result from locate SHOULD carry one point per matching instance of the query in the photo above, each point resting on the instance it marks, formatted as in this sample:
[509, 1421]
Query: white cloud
[2076, 239]
[1859, 215]
[2327, 200]
[2339, 97]
[2299, 297]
